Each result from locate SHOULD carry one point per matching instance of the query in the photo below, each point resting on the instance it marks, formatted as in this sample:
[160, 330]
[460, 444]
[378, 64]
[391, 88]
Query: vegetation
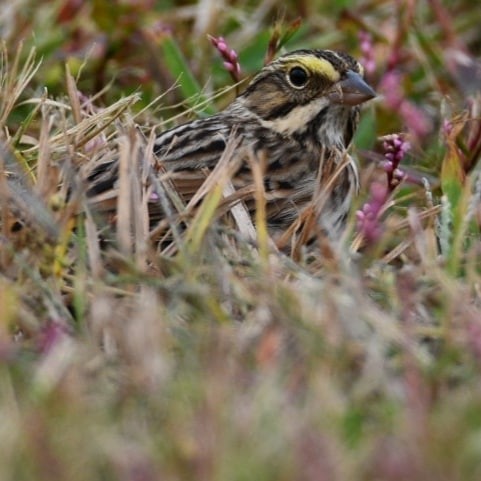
[221, 358]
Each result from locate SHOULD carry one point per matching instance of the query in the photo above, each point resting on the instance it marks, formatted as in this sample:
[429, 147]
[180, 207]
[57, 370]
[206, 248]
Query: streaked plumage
[299, 114]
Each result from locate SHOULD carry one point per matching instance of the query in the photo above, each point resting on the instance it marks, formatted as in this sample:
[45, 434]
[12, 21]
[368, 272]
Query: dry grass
[216, 356]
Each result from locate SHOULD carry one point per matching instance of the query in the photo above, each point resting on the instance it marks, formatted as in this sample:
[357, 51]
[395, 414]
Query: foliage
[218, 357]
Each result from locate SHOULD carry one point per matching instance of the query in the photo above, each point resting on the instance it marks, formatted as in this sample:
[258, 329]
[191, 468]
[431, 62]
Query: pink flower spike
[388, 166]
[369, 217]
[229, 56]
[395, 148]
[378, 192]
[367, 50]
[366, 208]
[399, 174]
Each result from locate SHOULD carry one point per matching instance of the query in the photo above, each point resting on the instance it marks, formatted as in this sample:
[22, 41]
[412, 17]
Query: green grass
[219, 358]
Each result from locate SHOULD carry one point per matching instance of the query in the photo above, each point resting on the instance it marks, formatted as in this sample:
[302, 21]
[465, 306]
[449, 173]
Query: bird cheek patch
[266, 97]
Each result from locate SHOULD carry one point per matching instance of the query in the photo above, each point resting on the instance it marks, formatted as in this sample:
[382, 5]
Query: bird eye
[298, 77]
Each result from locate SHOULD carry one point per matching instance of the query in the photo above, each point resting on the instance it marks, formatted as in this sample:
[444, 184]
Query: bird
[298, 115]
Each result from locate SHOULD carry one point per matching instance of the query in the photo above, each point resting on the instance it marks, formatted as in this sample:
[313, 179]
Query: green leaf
[452, 176]
[457, 191]
[365, 136]
[179, 69]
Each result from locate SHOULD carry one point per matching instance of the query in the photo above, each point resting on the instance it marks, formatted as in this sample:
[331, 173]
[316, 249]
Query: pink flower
[367, 51]
[231, 62]
[395, 148]
[369, 216]
[414, 118]
[369, 223]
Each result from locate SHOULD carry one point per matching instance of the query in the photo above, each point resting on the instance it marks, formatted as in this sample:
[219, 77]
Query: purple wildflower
[394, 98]
[415, 119]
[231, 62]
[367, 51]
[391, 87]
[369, 217]
[395, 148]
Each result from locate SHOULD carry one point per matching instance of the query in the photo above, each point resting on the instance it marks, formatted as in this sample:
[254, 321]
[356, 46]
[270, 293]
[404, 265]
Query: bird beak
[352, 90]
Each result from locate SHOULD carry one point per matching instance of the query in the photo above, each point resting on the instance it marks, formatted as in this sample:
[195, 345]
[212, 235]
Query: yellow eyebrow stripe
[317, 65]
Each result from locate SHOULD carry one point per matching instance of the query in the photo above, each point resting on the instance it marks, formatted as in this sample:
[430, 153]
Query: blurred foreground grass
[223, 361]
